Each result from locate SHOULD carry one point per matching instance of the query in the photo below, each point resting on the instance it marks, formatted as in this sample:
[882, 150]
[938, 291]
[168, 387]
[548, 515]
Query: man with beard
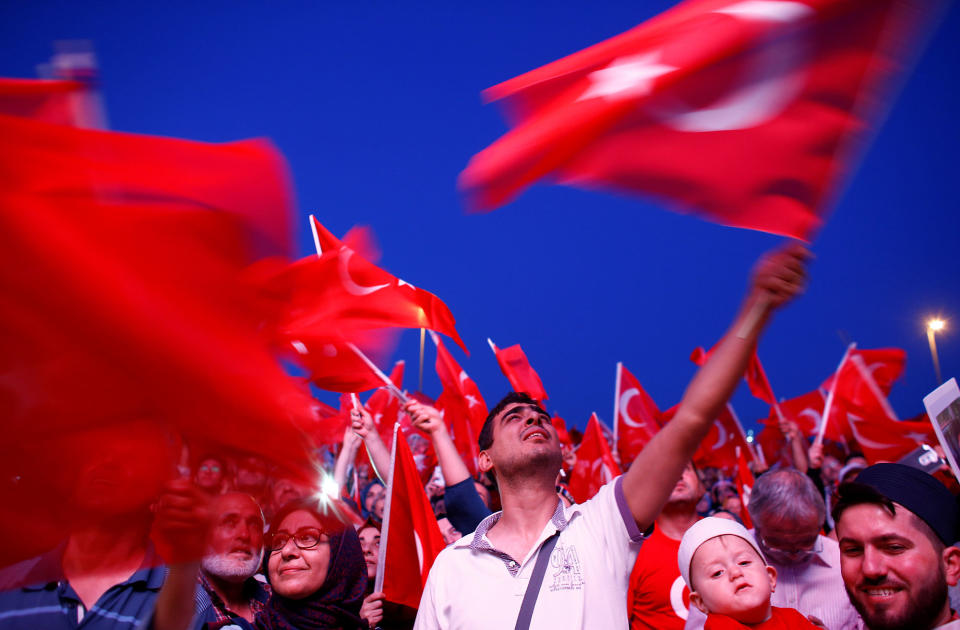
[227, 590]
[584, 579]
[897, 527]
[658, 597]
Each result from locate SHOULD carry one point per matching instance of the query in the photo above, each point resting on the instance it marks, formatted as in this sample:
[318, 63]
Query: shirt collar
[478, 541]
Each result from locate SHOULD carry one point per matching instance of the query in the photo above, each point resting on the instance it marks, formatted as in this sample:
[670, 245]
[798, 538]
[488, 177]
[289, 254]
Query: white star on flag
[916, 437]
[626, 77]
[471, 400]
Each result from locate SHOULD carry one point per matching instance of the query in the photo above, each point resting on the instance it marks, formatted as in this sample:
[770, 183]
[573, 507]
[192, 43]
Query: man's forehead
[238, 504]
[520, 406]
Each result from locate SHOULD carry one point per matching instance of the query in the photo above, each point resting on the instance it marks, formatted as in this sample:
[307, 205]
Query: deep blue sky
[377, 107]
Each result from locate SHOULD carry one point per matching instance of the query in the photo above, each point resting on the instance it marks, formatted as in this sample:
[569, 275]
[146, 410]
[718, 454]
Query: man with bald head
[227, 589]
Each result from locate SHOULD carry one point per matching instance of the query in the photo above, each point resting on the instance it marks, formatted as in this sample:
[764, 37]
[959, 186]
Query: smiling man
[594, 545]
[897, 527]
[227, 589]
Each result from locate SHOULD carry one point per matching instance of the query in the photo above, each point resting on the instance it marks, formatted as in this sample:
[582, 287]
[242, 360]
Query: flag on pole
[464, 409]
[515, 366]
[637, 416]
[746, 112]
[411, 538]
[595, 464]
[744, 480]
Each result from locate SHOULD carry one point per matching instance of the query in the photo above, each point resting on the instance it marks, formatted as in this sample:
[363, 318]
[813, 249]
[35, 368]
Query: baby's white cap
[702, 531]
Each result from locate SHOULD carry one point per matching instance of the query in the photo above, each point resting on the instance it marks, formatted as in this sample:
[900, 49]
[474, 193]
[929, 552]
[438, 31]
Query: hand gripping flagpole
[385, 531]
[833, 390]
[387, 383]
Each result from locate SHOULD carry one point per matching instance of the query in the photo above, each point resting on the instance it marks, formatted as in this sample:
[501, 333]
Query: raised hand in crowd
[363, 425]
[815, 455]
[348, 454]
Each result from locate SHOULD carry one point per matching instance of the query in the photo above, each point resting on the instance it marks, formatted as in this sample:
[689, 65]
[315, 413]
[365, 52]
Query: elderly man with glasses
[787, 512]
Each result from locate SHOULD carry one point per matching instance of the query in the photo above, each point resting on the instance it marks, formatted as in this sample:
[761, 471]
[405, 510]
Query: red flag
[744, 111]
[44, 101]
[718, 449]
[341, 287]
[457, 381]
[562, 434]
[807, 412]
[744, 480]
[638, 418]
[463, 407]
[757, 380]
[874, 424]
[515, 366]
[123, 300]
[410, 533]
[595, 464]
[885, 366]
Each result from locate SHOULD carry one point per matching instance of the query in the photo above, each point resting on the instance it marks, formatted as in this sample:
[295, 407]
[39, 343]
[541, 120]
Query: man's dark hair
[485, 440]
[851, 456]
[853, 493]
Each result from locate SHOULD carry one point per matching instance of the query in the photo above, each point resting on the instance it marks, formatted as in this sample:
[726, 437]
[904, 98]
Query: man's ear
[772, 573]
[697, 601]
[951, 565]
[484, 461]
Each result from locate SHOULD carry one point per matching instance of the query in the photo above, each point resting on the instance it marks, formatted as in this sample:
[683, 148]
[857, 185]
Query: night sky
[377, 108]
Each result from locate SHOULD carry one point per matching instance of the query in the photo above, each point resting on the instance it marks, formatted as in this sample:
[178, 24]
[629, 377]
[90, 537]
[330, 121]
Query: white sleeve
[427, 618]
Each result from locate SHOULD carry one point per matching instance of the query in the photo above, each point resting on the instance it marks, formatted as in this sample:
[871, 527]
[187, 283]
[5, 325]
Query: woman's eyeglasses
[306, 538]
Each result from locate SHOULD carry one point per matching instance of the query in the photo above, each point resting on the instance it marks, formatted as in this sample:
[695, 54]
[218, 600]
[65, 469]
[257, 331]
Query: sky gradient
[377, 108]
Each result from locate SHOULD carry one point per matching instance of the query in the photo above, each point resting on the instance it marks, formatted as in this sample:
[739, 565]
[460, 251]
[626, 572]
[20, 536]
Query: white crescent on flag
[348, 282]
[625, 399]
[771, 79]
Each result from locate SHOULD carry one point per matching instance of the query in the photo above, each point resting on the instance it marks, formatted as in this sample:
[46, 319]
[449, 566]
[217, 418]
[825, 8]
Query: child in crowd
[729, 579]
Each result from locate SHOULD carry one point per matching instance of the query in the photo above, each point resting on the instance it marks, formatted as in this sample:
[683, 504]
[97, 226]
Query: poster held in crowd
[943, 409]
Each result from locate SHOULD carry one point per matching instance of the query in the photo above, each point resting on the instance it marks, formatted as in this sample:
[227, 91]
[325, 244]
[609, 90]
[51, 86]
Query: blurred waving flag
[748, 112]
[464, 409]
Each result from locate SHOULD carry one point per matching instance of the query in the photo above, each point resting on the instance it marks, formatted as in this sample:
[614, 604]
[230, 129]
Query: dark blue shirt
[53, 605]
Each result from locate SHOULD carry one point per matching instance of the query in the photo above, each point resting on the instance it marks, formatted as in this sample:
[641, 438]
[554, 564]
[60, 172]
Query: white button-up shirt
[474, 585]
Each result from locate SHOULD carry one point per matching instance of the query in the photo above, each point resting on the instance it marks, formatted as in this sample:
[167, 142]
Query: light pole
[933, 327]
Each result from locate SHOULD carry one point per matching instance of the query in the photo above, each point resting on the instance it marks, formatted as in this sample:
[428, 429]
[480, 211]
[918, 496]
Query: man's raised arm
[777, 278]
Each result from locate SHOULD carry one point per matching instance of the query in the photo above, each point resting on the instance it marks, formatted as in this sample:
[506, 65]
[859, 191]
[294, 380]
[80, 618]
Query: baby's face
[730, 578]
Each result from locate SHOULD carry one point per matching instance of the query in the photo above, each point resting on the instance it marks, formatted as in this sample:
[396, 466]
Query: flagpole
[833, 389]
[387, 383]
[385, 530]
[316, 237]
[743, 435]
[493, 346]
[616, 407]
[423, 339]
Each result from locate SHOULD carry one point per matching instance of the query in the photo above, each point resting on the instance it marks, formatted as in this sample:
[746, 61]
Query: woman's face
[370, 543]
[297, 573]
[209, 474]
[375, 492]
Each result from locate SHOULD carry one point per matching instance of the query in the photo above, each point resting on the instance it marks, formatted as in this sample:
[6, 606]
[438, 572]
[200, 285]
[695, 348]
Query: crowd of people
[827, 541]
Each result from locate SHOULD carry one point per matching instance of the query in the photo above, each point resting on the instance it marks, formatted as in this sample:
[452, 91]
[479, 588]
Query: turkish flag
[885, 365]
[757, 380]
[745, 112]
[884, 440]
[515, 366]
[807, 412]
[562, 434]
[638, 418]
[340, 286]
[771, 441]
[595, 464]
[744, 480]
[411, 534]
[464, 409]
[124, 305]
[719, 447]
[455, 379]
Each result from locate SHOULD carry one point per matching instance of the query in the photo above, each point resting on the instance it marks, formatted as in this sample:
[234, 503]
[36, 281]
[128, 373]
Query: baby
[729, 580]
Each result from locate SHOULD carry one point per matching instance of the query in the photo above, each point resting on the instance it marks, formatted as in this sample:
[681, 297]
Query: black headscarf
[336, 604]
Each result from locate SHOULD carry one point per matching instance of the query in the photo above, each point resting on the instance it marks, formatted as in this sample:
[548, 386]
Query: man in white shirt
[480, 581]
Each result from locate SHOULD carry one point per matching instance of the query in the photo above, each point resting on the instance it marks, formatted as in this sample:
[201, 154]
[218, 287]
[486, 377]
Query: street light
[934, 326]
